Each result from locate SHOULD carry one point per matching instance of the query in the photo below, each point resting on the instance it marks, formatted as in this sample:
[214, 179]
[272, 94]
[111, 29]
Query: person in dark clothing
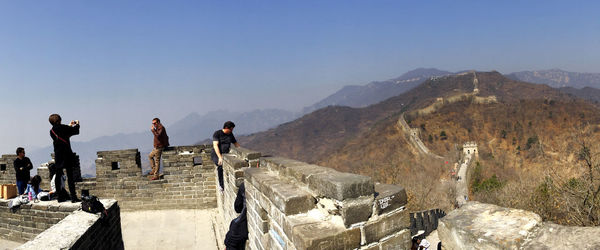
[237, 235]
[222, 140]
[161, 141]
[63, 154]
[22, 166]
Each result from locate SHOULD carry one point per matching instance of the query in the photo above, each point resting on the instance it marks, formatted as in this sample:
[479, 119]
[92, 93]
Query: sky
[114, 65]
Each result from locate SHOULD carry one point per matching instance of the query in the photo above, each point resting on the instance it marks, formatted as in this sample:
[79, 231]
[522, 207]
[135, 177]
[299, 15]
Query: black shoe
[75, 200]
[61, 200]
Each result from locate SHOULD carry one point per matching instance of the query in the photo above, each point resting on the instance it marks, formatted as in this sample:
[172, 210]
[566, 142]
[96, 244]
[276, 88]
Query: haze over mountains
[186, 131]
[558, 78]
[364, 95]
[528, 130]
[195, 128]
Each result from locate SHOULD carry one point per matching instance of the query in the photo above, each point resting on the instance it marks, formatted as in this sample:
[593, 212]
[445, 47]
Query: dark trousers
[65, 162]
[215, 159]
[21, 186]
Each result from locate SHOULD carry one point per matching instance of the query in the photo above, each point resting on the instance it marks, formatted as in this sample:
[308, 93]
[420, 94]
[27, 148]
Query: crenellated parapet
[7, 169]
[296, 205]
[188, 179]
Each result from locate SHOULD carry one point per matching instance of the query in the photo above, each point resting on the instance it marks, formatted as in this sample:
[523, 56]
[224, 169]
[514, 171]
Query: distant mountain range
[361, 96]
[187, 131]
[557, 78]
[196, 128]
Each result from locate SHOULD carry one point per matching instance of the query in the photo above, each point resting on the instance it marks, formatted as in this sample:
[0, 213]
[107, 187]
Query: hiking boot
[75, 200]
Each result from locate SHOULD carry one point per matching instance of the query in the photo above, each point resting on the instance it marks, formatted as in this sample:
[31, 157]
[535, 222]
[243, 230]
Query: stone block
[341, 186]
[245, 153]
[552, 236]
[389, 197]
[279, 163]
[325, 235]
[484, 226]
[356, 210]
[234, 161]
[401, 240]
[386, 225]
[286, 197]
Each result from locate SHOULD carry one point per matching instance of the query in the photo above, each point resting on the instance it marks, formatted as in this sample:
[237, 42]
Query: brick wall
[81, 230]
[31, 219]
[296, 205]
[425, 220]
[188, 182]
[7, 169]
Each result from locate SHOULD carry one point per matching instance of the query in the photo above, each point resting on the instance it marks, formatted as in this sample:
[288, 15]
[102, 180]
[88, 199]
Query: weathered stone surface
[325, 235]
[389, 197]
[234, 161]
[356, 210]
[81, 230]
[386, 225]
[279, 163]
[400, 240]
[246, 154]
[341, 186]
[484, 226]
[287, 197]
[552, 236]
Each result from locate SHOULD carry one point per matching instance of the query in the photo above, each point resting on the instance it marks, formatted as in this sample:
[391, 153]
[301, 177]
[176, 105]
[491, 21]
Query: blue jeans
[21, 185]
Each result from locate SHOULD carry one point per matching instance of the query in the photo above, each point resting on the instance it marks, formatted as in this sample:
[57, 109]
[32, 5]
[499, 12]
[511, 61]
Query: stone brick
[389, 197]
[246, 154]
[553, 236]
[485, 226]
[325, 235]
[341, 186]
[234, 161]
[401, 240]
[356, 210]
[386, 225]
[287, 197]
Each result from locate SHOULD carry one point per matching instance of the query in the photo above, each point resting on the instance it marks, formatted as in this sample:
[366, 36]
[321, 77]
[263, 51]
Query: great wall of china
[290, 205]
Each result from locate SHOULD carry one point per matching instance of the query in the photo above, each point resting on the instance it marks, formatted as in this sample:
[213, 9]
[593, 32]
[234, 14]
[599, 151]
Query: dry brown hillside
[524, 138]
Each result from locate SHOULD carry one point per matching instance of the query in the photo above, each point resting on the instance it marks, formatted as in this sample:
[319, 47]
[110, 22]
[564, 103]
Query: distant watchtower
[470, 148]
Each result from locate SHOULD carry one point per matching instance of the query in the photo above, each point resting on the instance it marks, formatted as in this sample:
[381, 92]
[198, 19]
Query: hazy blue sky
[116, 64]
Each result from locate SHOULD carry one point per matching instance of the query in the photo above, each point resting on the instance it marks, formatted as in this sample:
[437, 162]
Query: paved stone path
[415, 140]
[462, 189]
[169, 229]
[7, 244]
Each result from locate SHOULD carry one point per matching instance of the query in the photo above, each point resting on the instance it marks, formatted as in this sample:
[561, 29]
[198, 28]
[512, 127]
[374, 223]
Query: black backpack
[91, 204]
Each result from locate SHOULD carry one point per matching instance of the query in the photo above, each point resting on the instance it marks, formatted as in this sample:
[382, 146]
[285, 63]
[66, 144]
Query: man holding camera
[63, 154]
[161, 141]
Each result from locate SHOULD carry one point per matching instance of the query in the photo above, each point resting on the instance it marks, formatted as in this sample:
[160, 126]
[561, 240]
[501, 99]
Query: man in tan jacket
[161, 141]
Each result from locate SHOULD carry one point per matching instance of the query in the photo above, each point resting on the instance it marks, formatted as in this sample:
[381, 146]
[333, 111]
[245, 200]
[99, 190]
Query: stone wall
[485, 226]
[296, 205]
[81, 230]
[31, 219]
[188, 181]
[7, 169]
[427, 221]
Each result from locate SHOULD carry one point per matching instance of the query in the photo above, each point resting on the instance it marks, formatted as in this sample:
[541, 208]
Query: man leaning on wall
[161, 141]
[222, 140]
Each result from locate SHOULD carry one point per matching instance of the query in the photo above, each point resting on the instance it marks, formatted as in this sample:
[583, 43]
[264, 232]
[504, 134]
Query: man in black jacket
[238, 228]
[63, 154]
[22, 166]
